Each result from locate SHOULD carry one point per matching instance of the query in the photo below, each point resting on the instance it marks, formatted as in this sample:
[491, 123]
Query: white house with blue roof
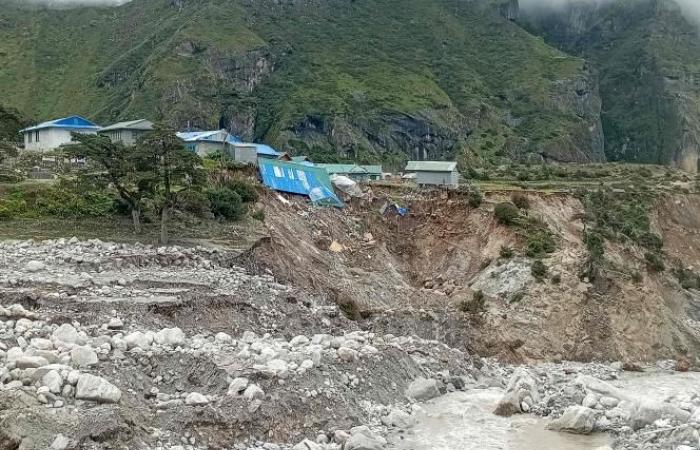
[54, 133]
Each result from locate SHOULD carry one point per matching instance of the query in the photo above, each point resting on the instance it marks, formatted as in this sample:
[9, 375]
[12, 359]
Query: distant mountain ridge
[380, 80]
[647, 57]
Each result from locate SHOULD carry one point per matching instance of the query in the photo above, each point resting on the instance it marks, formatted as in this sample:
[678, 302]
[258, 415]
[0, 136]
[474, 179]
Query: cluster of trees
[157, 168]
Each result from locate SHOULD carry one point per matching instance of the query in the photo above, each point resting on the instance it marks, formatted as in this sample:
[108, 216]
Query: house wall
[245, 154]
[50, 138]
[127, 137]
[450, 179]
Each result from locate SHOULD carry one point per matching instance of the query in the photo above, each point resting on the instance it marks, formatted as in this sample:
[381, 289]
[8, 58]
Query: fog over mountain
[691, 8]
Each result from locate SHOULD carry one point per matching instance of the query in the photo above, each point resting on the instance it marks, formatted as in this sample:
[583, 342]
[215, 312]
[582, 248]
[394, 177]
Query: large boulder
[363, 439]
[646, 412]
[171, 337]
[521, 394]
[423, 389]
[91, 387]
[576, 419]
[83, 356]
[138, 339]
[67, 334]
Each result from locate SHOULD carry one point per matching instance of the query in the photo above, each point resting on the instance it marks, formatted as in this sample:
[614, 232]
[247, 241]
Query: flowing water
[465, 421]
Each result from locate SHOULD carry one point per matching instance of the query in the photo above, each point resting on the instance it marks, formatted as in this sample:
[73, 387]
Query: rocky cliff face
[645, 54]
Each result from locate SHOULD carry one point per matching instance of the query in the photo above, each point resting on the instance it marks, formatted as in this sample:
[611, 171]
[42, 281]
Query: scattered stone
[53, 381]
[91, 387]
[35, 266]
[521, 393]
[576, 419]
[30, 362]
[196, 399]
[83, 356]
[253, 392]
[237, 386]
[172, 337]
[423, 389]
[67, 334]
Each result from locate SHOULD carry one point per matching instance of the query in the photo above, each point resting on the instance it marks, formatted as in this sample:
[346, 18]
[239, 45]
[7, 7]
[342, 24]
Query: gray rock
[576, 419]
[307, 444]
[60, 443]
[138, 339]
[30, 362]
[423, 389]
[83, 356]
[196, 399]
[52, 380]
[171, 337]
[67, 334]
[237, 386]
[347, 354]
[520, 394]
[363, 439]
[115, 323]
[35, 266]
[397, 418]
[647, 412]
[253, 392]
[91, 387]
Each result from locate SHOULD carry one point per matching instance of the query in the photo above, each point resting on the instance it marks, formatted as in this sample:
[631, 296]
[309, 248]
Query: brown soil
[387, 262]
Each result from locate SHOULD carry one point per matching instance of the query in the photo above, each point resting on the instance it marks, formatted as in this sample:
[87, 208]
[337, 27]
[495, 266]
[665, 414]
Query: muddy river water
[464, 420]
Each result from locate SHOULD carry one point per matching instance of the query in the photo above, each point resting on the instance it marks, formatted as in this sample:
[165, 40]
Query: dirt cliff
[415, 272]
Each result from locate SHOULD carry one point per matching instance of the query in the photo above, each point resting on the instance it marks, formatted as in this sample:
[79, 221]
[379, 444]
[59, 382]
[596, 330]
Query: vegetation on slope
[646, 53]
[369, 80]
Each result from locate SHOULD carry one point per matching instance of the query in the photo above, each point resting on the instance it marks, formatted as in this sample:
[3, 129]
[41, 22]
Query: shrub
[475, 305]
[193, 202]
[225, 203]
[654, 262]
[539, 269]
[595, 243]
[474, 197]
[520, 200]
[637, 276]
[539, 243]
[506, 213]
[244, 189]
[506, 252]
[517, 297]
[556, 278]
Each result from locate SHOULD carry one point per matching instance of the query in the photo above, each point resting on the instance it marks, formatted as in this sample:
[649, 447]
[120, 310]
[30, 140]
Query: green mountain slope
[647, 55]
[367, 79]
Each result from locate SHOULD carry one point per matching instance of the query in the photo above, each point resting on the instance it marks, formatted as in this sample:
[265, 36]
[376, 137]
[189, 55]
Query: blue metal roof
[298, 179]
[71, 122]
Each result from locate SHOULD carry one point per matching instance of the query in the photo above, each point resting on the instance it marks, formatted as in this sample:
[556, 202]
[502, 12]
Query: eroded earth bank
[355, 329]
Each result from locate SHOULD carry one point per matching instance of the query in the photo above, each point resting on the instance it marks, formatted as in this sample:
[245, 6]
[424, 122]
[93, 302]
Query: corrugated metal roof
[431, 166]
[298, 178]
[208, 136]
[261, 149]
[350, 168]
[72, 122]
[141, 124]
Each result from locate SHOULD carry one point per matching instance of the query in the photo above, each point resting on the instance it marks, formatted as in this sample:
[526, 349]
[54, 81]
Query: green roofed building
[353, 171]
[434, 173]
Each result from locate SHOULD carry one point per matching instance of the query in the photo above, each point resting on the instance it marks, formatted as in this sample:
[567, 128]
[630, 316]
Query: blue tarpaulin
[298, 179]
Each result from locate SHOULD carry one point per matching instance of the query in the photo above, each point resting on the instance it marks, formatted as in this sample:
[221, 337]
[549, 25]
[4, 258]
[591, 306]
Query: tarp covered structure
[298, 178]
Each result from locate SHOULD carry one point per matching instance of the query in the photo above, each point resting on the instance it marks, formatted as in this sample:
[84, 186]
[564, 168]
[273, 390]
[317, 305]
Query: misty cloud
[691, 8]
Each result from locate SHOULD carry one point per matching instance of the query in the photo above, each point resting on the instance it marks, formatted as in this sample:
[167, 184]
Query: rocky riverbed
[114, 346]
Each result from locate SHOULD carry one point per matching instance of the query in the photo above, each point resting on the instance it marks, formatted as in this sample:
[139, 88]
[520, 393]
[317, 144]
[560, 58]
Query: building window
[36, 136]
